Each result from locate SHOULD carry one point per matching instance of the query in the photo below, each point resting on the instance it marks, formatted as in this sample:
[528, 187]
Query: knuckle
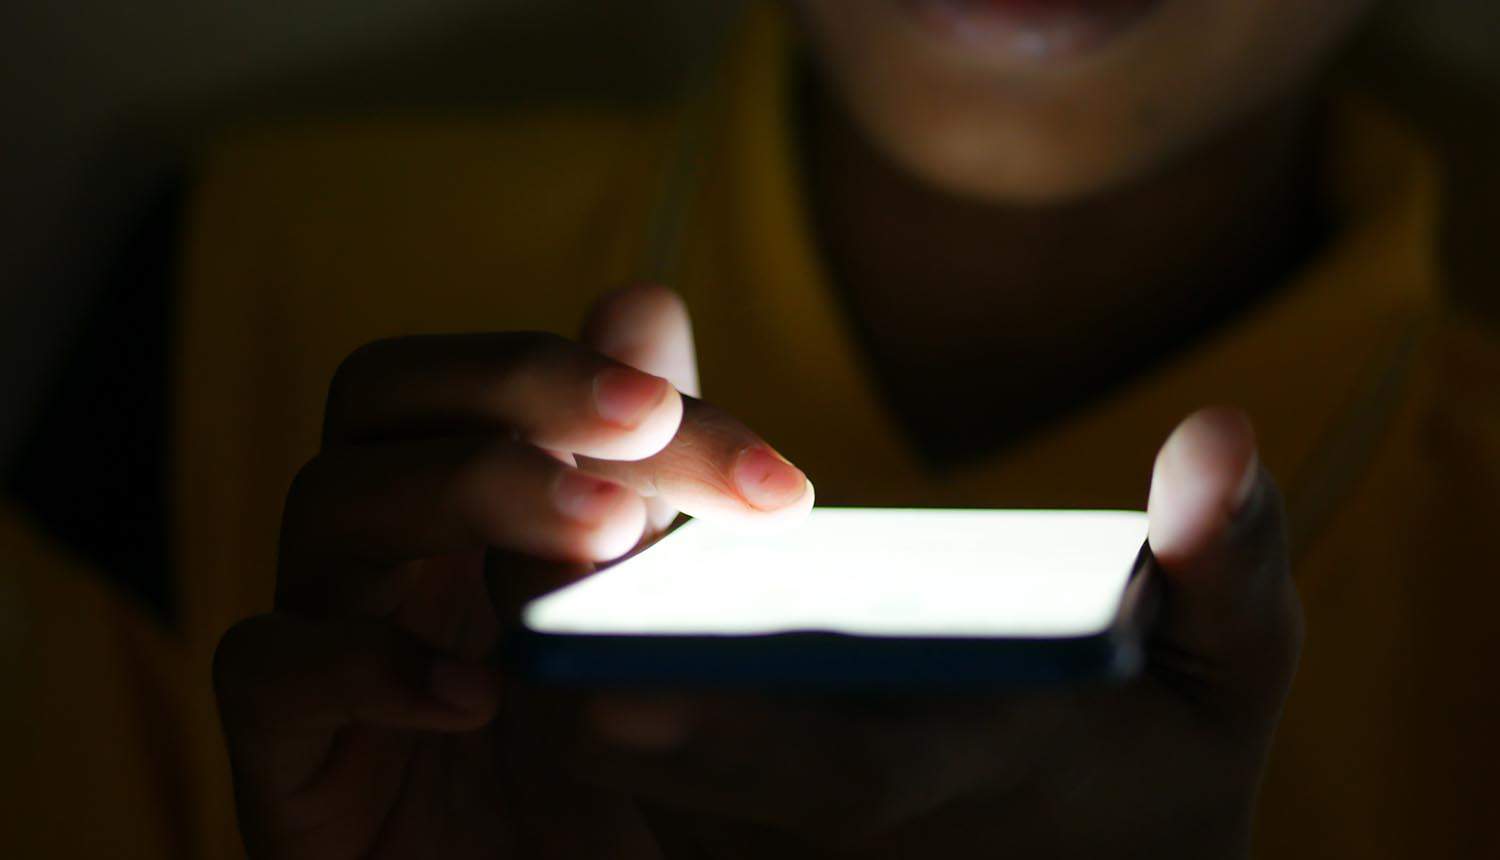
[304, 489]
[490, 465]
[713, 430]
[538, 369]
[314, 510]
[492, 474]
[233, 656]
[355, 370]
[538, 351]
[305, 479]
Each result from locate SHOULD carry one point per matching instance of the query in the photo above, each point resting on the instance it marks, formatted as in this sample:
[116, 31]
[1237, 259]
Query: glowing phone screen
[866, 572]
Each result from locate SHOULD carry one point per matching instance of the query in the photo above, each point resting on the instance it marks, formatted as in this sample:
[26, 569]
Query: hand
[1164, 766]
[360, 718]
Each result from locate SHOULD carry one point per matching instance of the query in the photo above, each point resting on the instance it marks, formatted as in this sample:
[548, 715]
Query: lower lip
[1040, 29]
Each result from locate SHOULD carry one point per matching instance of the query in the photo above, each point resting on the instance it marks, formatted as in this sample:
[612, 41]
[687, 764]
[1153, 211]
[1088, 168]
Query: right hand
[360, 717]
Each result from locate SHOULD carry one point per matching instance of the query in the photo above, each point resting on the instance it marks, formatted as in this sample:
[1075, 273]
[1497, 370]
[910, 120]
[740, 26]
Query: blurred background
[106, 105]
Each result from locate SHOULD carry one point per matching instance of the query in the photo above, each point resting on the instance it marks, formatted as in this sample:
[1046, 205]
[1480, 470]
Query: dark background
[106, 105]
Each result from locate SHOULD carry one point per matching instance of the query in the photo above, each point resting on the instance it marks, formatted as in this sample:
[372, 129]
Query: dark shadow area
[1460, 118]
[567, 52]
[92, 469]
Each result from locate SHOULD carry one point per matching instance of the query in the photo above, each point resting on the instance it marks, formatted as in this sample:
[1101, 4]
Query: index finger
[716, 467]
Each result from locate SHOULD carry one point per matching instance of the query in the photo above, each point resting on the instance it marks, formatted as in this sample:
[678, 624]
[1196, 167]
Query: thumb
[1217, 530]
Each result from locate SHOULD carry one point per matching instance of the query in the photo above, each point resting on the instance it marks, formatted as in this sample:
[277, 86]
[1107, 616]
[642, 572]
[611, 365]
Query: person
[986, 253]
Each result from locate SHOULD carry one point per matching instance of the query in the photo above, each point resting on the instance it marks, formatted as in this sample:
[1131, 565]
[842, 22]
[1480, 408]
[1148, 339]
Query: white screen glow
[866, 572]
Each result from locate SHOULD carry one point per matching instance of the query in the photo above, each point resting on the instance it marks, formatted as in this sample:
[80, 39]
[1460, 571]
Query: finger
[647, 327]
[277, 674]
[384, 504]
[542, 388]
[717, 468]
[1217, 531]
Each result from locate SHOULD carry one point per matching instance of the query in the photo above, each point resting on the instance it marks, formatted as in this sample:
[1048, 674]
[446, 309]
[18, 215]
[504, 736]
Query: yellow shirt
[1376, 409]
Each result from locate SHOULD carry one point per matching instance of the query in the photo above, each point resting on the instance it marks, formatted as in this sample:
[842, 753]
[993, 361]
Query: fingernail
[584, 498]
[1188, 502]
[1220, 432]
[766, 480]
[461, 686]
[626, 397]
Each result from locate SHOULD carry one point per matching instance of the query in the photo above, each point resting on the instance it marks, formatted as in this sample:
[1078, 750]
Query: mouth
[1031, 29]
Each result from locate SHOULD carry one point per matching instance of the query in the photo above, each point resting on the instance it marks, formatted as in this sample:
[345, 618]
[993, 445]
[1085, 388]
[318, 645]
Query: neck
[945, 288]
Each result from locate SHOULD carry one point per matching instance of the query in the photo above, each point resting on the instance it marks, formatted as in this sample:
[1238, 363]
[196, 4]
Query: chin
[1025, 160]
[1123, 88]
[1039, 175]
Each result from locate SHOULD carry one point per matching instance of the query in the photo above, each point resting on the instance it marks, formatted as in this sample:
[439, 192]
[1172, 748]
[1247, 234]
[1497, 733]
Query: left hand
[1166, 765]
[359, 716]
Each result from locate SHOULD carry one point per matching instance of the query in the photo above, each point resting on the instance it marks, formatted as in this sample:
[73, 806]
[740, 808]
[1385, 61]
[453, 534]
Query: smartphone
[857, 599]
